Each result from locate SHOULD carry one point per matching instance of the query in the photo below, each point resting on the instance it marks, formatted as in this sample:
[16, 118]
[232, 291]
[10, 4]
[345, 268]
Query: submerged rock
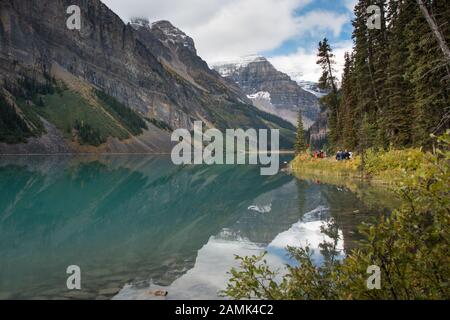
[109, 292]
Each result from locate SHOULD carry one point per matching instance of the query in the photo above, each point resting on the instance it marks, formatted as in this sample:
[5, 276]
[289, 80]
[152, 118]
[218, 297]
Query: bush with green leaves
[410, 246]
[392, 161]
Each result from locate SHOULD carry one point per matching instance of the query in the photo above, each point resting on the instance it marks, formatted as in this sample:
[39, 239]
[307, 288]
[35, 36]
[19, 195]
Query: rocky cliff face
[270, 89]
[176, 52]
[152, 69]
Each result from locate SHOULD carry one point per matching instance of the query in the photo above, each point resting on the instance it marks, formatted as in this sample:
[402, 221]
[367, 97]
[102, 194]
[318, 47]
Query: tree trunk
[336, 102]
[434, 27]
[372, 80]
[330, 70]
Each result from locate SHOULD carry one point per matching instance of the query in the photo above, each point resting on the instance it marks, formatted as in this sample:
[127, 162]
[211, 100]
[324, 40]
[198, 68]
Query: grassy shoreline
[383, 168]
[409, 247]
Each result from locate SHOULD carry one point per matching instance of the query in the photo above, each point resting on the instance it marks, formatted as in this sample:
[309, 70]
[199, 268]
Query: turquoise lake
[136, 224]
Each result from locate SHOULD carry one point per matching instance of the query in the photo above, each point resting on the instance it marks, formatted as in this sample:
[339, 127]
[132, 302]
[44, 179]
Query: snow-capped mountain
[228, 68]
[173, 34]
[312, 87]
[271, 90]
[309, 86]
[137, 23]
[170, 33]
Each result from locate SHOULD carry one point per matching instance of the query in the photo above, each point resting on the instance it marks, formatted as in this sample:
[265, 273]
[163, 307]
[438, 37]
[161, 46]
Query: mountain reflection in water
[138, 223]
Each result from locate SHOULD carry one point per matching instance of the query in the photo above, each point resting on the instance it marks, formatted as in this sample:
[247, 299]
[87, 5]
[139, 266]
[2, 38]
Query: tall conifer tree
[326, 60]
[300, 142]
[397, 112]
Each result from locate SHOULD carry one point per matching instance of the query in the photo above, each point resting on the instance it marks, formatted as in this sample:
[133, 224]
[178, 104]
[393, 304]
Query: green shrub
[411, 247]
[393, 160]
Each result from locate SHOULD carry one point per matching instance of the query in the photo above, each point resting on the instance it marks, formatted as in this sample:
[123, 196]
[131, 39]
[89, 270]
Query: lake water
[135, 224]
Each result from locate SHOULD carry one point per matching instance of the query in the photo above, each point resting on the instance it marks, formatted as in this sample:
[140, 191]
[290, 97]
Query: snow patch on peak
[228, 67]
[312, 87]
[139, 22]
[242, 61]
[262, 95]
[168, 28]
[173, 35]
[308, 86]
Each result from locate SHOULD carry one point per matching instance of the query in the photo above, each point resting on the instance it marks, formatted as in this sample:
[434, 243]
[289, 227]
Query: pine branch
[435, 28]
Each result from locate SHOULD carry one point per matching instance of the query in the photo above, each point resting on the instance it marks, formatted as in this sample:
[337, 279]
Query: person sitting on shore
[346, 155]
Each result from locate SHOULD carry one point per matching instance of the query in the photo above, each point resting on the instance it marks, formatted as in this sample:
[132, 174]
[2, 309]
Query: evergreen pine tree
[364, 68]
[328, 82]
[396, 83]
[300, 143]
[429, 72]
[379, 55]
[397, 113]
[347, 107]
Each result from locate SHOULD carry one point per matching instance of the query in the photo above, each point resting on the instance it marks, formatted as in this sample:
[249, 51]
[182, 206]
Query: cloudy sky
[285, 31]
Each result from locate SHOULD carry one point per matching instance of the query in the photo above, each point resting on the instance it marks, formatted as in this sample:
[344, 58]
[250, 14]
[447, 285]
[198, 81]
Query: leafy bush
[411, 248]
[393, 160]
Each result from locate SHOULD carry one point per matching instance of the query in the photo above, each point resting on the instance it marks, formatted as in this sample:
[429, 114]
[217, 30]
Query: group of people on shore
[344, 155]
[340, 155]
[319, 154]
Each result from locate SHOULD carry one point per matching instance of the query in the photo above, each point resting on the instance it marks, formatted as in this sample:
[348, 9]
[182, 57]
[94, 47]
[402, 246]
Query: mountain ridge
[270, 89]
[152, 69]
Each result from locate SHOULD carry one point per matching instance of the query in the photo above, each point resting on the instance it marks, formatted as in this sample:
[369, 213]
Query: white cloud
[224, 29]
[318, 21]
[350, 4]
[304, 62]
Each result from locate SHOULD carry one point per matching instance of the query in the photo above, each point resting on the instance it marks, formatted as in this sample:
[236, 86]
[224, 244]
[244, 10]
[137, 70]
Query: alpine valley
[115, 87]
